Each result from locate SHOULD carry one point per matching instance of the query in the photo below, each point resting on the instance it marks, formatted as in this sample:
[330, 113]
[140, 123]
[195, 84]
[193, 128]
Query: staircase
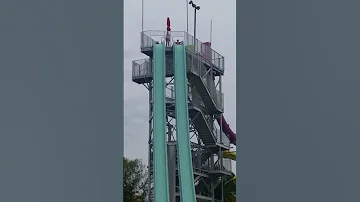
[197, 74]
[204, 93]
[202, 126]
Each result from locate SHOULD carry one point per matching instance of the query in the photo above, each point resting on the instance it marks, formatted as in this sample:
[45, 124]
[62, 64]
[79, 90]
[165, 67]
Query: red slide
[227, 130]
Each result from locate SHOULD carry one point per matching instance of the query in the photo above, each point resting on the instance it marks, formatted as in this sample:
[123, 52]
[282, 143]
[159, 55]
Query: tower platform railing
[148, 38]
[221, 137]
[142, 70]
[226, 165]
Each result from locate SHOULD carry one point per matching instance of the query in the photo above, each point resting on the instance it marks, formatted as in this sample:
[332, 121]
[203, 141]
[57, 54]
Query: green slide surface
[161, 186]
[186, 177]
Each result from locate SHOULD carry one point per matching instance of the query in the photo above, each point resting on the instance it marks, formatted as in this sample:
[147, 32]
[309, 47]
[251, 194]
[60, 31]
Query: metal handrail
[149, 37]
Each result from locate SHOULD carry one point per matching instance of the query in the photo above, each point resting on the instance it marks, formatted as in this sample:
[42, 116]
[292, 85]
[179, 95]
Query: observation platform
[202, 51]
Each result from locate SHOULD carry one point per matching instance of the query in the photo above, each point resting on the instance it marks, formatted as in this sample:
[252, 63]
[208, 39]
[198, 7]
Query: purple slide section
[227, 130]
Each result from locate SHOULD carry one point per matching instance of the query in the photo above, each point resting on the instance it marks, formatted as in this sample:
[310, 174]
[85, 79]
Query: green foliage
[135, 181]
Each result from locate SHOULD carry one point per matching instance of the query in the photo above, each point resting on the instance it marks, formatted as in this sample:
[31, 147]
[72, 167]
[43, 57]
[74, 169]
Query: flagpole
[187, 16]
[210, 30]
[142, 15]
[196, 7]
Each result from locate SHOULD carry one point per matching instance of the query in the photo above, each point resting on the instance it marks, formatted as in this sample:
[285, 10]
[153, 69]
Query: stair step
[204, 92]
[203, 130]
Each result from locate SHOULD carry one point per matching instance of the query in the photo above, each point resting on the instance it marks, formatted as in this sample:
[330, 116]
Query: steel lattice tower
[205, 69]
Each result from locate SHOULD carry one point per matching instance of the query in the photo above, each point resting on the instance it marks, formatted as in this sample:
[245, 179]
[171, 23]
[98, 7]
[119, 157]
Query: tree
[135, 181]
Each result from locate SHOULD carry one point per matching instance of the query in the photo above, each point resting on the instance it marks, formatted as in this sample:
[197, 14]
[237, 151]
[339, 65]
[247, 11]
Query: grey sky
[155, 13]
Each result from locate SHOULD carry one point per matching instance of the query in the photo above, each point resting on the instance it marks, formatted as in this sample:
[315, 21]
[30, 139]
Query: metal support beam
[172, 171]
[150, 145]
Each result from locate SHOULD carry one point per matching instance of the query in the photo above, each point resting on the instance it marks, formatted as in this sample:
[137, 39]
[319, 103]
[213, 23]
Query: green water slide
[161, 186]
[186, 177]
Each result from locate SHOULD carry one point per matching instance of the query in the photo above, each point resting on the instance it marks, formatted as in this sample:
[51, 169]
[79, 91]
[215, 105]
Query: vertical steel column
[150, 142]
[195, 31]
[169, 127]
[172, 170]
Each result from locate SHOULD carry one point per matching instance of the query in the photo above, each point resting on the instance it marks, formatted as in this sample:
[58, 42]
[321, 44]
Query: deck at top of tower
[202, 49]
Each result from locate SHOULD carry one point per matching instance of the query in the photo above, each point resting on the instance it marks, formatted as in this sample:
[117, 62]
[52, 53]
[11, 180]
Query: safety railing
[146, 41]
[214, 93]
[220, 100]
[198, 164]
[221, 137]
[148, 38]
[209, 121]
[170, 91]
[169, 94]
[197, 67]
[216, 132]
[226, 165]
[141, 68]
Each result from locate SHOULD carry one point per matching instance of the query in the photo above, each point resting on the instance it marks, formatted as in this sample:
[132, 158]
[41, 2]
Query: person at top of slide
[168, 37]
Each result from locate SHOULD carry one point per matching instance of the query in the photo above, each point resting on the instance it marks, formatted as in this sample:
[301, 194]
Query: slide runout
[186, 177]
[161, 186]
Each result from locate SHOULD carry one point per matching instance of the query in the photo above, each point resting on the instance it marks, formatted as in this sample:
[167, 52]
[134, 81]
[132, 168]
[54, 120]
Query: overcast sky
[155, 14]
